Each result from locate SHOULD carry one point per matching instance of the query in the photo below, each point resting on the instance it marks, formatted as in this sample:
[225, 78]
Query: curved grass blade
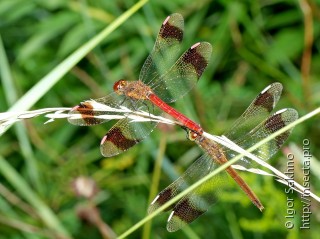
[48, 81]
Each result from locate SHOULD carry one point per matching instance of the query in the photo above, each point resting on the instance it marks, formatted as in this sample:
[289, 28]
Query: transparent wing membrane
[253, 125]
[184, 74]
[165, 50]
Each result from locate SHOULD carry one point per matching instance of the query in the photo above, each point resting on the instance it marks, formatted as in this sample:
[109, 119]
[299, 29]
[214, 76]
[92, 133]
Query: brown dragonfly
[254, 124]
[163, 79]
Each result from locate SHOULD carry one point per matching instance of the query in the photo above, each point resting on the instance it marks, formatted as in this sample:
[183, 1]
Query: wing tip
[174, 222]
[154, 205]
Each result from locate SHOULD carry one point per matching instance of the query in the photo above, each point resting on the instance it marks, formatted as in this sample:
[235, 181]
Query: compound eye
[119, 85]
[192, 135]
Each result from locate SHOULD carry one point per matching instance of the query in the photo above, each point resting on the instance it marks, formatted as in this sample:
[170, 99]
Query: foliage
[255, 43]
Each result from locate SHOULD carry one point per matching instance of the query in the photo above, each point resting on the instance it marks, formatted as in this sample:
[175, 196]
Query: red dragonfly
[253, 125]
[163, 79]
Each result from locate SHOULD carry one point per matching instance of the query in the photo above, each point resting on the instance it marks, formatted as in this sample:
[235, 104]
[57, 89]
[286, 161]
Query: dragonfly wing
[196, 171]
[165, 50]
[257, 112]
[88, 112]
[126, 133]
[195, 203]
[184, 74]
[272, 124]
[198, 201]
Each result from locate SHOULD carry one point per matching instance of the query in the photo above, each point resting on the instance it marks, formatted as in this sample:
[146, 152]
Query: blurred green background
[254, 43]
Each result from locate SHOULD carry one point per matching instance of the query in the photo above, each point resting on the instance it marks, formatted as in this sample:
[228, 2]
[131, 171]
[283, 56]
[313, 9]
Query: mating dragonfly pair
[163, 79]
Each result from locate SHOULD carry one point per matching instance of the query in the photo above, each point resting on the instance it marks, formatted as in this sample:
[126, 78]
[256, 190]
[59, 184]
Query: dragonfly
[255, 124]
[163, 79]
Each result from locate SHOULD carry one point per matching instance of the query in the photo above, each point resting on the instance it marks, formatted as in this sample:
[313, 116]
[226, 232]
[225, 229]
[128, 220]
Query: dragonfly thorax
[134, 89]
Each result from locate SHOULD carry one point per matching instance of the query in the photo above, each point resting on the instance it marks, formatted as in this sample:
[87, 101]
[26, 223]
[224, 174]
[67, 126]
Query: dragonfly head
[191, 135]
[119, 86]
